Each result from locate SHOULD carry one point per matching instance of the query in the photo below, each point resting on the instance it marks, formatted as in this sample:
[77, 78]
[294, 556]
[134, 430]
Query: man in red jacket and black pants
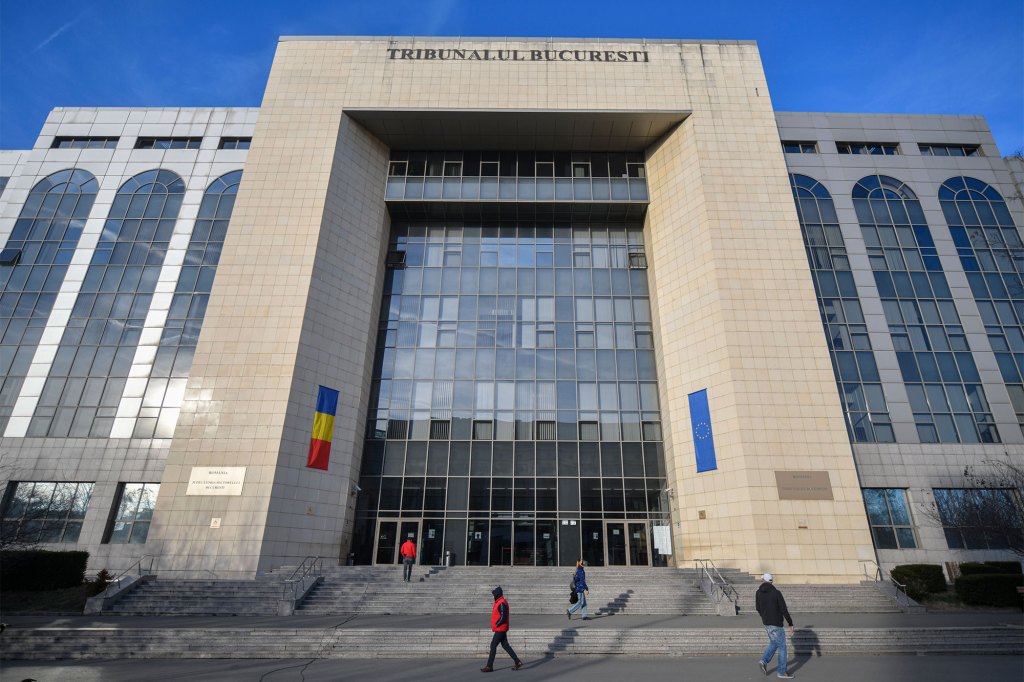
[499, 625]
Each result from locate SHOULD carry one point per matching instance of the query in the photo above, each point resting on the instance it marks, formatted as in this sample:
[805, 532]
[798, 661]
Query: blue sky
[934, 57]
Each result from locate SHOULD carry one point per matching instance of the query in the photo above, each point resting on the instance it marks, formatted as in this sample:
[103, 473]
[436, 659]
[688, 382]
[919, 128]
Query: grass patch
[66, 600]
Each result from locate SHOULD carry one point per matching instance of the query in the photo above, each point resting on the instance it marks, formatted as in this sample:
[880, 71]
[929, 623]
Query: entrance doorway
[391, 533]
[626, 543]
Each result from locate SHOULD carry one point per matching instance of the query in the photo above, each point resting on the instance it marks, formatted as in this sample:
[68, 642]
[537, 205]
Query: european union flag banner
[703, 439]
[323, 429]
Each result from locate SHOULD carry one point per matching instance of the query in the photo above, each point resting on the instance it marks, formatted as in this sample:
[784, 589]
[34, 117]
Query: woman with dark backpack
[579, 581]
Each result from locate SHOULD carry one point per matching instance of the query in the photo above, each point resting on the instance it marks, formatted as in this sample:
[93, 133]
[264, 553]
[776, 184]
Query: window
[938, 368]
[3, 185]
[398, 169]
[232, 143]
[168, 142]
[799, 147]
[949, 149]
[990, 250]
[10, 256]
[41, 246]
[439, 429]
[483, 430]
[889, 516]
[396, 258]
[637, 260]
[870, 148]
[83, 390]
[134, 512]
[84, 143]
[979, 518]
[867, 416]
[44, 511]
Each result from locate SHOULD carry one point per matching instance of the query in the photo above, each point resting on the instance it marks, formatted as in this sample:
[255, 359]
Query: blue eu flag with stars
[703, 439]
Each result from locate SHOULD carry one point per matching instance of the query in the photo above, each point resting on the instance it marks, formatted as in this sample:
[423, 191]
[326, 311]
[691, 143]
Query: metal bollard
[448, 557]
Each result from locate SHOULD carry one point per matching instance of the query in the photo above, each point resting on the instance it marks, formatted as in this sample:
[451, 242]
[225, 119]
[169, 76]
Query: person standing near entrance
[772, 607]
[408, 552]
[582, 590]
[499, 626]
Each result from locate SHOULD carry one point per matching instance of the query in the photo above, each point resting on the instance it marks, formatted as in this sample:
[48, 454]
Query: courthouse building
[524, 300]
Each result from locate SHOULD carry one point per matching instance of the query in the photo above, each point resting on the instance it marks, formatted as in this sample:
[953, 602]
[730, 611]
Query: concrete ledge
[110, 596]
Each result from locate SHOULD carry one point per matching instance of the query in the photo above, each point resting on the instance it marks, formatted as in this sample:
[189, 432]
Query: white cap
[767, 577]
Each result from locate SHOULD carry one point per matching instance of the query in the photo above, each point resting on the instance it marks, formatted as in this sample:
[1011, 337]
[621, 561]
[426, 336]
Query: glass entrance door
[390, 536]
[627, 543]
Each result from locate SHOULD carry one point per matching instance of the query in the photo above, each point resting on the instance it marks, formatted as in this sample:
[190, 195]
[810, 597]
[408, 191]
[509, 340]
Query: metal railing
[718, 587]
[137, 566]
[302, 578]
[903, 599]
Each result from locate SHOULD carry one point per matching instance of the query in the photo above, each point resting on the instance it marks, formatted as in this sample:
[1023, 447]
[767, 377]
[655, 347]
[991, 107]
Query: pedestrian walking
[499, 626]
[582, 590]
[408, 552]
[772, 607]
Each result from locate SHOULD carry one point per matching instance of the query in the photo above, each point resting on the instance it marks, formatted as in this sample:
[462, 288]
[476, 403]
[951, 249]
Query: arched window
[992, 255]
[166, 387]
[856, 372]
[92, 364]
[42, 244]
[935, 359]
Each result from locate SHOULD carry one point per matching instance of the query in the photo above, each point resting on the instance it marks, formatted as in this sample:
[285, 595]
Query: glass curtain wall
[514, 413]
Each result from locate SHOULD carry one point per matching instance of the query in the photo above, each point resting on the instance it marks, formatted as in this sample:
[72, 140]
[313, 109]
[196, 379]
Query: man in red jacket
[499, 625]
[408, 552]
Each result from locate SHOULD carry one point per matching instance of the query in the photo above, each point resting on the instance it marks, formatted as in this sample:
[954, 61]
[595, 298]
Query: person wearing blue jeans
[582, 590]
[772, 607]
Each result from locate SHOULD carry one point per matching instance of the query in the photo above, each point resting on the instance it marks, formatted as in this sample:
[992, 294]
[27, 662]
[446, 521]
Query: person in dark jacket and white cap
[499, 626]
[772, 607]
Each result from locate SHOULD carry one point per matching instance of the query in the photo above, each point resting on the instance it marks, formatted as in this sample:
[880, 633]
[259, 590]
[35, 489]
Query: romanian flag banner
[323, 428]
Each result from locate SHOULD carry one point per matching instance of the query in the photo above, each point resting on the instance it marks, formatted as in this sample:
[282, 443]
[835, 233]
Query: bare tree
[986, 512]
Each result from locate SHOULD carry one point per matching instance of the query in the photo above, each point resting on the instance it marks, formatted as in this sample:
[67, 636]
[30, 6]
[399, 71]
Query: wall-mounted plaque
[216, 481]
[803, 485]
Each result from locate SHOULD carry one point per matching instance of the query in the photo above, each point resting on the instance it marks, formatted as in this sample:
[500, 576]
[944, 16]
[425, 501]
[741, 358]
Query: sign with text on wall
[803, 485]
[215, 481]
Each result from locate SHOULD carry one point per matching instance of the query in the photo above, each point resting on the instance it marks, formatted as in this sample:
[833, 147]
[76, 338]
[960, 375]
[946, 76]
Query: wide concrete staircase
[463, 589]
[422, 642]
[171, 597]
[864, 597]
[529, 589]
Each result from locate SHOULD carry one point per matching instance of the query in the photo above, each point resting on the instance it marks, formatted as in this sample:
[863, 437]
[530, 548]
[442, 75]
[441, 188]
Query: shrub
[977, 568]
[989, 589]
[920, 579]
[100, 583]
[36, 570]
[1006, 567]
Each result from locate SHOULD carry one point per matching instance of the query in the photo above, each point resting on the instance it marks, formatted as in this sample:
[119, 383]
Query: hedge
[36, 570]
[990, 567]
[989, 589]
[920, 579]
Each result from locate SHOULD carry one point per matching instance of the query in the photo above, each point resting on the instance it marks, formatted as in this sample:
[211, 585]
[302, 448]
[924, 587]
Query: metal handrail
[295, 585]
[880, 576]
[137, 564]
[710, 571]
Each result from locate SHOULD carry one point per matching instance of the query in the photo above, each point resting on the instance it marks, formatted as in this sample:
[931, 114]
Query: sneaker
[518, 665]
[568, 615]
[785, 676]
[486, 670]
[585, 618]
[764, 667]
